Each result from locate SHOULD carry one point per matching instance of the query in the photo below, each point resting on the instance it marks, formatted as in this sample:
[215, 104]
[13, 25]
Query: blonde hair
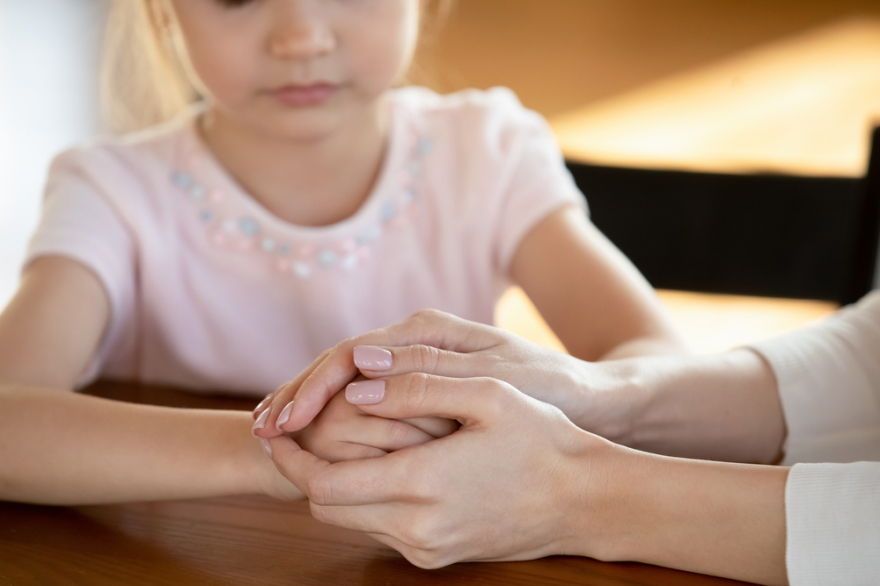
[144, 74]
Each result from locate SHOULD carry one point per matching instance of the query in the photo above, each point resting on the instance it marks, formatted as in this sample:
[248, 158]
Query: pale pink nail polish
[267, 447]
[372, 358]
[283, 416]
[263, 403]
[368, 392]
[260, 423]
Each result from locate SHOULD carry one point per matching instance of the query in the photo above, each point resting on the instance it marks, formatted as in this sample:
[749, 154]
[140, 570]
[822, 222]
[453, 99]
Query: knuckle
[496, 398]
[399, 433]
[318, 512]
[425, 534]
[426, 560]
[320, 491]
[425, 358]
[416, 386]
[428, 316]
[424, 314]
[368, 452]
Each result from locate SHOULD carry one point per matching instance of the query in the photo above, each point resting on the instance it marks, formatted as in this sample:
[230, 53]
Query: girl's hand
[437, 343]
[341, 431]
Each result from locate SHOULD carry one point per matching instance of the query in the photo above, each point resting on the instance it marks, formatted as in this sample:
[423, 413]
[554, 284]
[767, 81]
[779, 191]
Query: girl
[299, 202]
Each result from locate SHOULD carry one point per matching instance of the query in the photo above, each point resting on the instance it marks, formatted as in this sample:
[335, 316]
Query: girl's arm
[53, 325]
[592, 297]
[63, 448]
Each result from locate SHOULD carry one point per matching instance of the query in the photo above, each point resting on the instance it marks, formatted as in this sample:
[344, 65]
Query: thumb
[294, 463]
[468, 400]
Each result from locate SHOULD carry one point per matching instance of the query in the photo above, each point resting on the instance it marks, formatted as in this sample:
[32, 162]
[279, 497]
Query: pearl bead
[349, 261]
[326, 258]
[197, 191]
[181, 179]
[426, 145]
[249, 226]
[301, 270]
[388, 211]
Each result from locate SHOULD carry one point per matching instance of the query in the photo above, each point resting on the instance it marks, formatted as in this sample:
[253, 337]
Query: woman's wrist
[707, 517]
[719, 407]
[605, 397]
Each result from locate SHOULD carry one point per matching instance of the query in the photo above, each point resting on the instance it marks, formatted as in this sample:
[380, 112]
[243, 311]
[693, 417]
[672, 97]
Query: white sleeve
[829, 384]
[832, 514]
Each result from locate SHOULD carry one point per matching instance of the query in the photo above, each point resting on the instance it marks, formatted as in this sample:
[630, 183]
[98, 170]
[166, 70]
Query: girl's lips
[305, 95]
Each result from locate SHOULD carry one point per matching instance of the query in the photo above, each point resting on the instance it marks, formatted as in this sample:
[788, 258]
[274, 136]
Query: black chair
[766, 234]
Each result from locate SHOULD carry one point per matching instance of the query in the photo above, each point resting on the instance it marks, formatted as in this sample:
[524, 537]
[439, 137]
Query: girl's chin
[298, 124]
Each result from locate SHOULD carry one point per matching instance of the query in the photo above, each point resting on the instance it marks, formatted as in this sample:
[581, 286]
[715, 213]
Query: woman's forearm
[58, 447]
[719, 407]
[706, 517]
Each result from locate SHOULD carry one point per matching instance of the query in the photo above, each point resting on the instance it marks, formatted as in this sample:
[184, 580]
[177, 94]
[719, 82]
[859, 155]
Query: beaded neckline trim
[232, 231]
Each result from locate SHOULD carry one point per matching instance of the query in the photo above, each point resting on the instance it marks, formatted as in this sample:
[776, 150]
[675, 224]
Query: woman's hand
[520, 481]
[506, 486]
[437, 343]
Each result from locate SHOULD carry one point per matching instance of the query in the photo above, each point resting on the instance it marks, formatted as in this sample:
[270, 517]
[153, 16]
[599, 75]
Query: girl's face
[296, 68]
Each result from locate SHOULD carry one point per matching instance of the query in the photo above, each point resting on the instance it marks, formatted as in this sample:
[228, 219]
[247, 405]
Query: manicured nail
[261, 421]
[263, 403]
[368, 392]
[267, 447]
[372, 358]
[283, 416]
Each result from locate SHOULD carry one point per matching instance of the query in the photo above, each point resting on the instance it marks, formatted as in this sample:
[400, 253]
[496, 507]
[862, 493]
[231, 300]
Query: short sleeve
[78, 222]
[534, 180]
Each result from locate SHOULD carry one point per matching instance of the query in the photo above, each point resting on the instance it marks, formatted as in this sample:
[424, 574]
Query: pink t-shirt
[210, 291]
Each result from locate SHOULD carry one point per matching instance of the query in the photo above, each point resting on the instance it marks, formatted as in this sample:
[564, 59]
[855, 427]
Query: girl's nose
[302, 37]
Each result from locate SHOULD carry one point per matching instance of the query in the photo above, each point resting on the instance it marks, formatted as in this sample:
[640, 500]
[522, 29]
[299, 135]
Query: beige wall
[560, 54]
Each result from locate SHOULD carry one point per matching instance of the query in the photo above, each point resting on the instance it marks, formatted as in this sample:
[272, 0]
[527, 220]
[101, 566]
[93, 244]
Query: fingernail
[263, 403]
[267, 447]
[283, 416]
[368, 392]
[261, 421]
[372, 358]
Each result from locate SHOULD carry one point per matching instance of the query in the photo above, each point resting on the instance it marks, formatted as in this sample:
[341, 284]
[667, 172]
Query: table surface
[247, 540]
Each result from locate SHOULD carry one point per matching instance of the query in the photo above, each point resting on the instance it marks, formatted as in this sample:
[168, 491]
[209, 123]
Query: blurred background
[720, 85]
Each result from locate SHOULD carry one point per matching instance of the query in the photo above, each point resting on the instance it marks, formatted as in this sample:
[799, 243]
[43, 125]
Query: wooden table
[247, 540]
